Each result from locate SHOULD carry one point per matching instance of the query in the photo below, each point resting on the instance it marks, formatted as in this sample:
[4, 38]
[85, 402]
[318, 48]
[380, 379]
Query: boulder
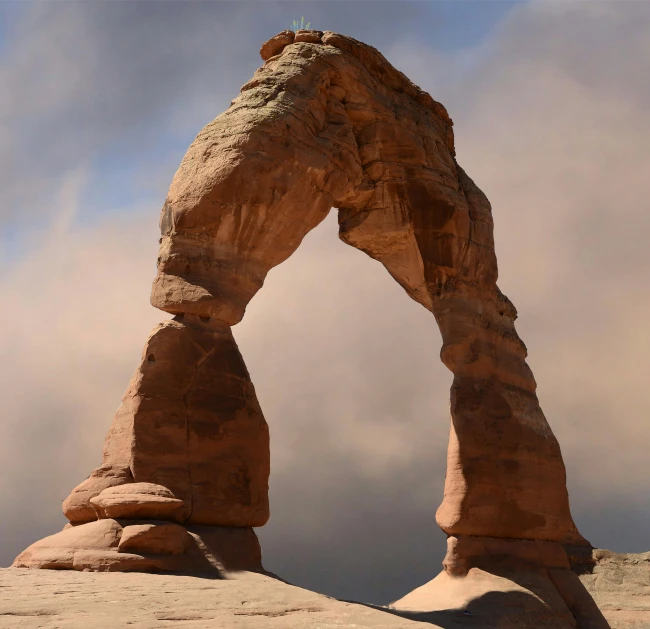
[77, 508]
[276, 44]
[135, 546]
[156, 539]
[309, 36]
[58, 551]
[138, 501]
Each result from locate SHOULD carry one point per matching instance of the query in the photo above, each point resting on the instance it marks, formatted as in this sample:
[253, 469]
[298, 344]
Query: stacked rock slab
[189, 446]
[328, 122]
[137, 528]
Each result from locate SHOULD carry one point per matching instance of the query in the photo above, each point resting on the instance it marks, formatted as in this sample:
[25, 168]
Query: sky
[99, 102]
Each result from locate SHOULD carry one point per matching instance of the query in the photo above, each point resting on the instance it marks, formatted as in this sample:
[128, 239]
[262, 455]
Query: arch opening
[346, 371]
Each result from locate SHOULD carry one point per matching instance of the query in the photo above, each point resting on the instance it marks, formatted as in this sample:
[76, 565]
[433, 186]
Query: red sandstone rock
[334, 124]
[312, 37]
[532, 579]
[157, 539]
[138, 501]
[57, 551]
[125, 546]
[77, 507]
[275, 45]
[328, 122]
[190, 421]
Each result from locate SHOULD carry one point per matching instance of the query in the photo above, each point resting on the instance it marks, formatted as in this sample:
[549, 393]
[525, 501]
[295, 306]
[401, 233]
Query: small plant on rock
[300, 26]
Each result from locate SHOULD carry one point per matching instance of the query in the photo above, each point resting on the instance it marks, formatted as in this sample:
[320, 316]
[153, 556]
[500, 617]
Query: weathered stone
[532, 578]
[157, 539]
[57, 551]
[105, 546]
[39, 599]
[311, 37]
[190, 421]
[324, 125]
[336, 125]
[618, 582]
[138, 501]
[275, 45]
[77, 508]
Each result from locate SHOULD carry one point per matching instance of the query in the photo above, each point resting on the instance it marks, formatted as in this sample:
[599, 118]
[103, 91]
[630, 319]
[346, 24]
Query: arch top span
[320, 125]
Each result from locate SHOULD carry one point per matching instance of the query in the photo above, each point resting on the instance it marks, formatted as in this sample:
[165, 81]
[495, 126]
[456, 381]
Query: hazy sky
[98, 103]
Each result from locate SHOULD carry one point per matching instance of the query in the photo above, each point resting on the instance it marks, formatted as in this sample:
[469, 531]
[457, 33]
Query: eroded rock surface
[77, 506]
[189, 423]
[619, 583]
[531, 579]
[156, 539]
[42, 599]
[328, 122]
[110, 545]
[138, 500]
[333, 124]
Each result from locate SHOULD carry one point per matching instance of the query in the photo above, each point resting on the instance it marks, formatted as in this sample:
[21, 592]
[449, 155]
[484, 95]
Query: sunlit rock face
[325, 122]
[328, 123]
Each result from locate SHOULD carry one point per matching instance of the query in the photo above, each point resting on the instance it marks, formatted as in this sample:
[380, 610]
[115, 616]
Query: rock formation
[327, 122]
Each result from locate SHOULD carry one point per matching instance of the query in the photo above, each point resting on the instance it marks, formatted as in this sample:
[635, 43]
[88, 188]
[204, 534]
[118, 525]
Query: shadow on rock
[502, 610]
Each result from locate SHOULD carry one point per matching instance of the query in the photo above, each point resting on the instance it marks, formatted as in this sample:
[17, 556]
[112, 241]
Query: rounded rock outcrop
[77, 507]
[276, 44]
[138, 501]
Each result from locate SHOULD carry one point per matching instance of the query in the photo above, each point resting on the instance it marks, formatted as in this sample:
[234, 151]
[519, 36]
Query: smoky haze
[550, 113]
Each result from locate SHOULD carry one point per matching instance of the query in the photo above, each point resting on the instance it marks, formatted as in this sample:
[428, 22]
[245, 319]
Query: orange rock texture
[333, 124]
[325, 122]
[189, 422]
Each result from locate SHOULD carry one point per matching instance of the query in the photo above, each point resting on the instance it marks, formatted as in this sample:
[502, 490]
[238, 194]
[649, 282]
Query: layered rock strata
[328, 122]
[189, 446]
[191, 423]
[332, 124]
[532, 580]
[133, 545]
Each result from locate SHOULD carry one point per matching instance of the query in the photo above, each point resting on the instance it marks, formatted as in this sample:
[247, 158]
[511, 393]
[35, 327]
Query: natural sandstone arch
[326, 122]
[334, 125]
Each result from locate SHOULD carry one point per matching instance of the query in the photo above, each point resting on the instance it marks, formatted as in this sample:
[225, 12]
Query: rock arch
[332, 124]
[326, 122]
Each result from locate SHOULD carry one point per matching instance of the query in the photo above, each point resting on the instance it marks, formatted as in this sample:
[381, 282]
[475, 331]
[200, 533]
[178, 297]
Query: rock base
[112, 545]
[524, 582]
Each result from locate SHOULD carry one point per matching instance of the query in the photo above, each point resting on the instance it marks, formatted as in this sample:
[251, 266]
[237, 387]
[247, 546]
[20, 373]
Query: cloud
[345, 365]
[75, 312]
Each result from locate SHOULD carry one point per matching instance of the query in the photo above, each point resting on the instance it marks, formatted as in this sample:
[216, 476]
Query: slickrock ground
[81, 600]
[620, 584]
[65, 599]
